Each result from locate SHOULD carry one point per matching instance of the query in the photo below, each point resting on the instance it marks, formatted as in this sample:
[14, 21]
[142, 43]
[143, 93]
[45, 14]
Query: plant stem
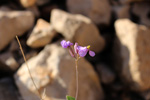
[76, 61]
[28, 68]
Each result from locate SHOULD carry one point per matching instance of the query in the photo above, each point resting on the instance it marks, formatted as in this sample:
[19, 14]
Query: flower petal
[82, 51]
[66, 44]
[92, 53]
[69, 43]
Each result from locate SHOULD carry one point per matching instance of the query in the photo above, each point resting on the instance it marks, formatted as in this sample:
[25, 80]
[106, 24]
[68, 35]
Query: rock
[134, 51]
[8, 90]
[14, 23]
[77, 28]
[34, 9]
[142, 11]
[5, 70]
[27, 3]
[42, 34]
[106, 75]
[122, 11]
[94, 9]
[9, 60]
[54, 69]
[12, 63]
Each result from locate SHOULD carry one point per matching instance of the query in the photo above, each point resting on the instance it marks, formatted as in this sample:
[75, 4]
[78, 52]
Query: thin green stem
[76, 61]
[28, 68]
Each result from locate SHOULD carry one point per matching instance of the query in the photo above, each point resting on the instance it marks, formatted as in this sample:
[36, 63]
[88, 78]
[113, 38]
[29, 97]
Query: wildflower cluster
[78, 51]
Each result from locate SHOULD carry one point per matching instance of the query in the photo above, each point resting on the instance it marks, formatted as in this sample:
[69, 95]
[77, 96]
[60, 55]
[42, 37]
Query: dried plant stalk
[28, 68]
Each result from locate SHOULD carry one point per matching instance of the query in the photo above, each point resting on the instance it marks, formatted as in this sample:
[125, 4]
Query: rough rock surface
[135, 52]
[56, 73]
[41, 35]
[14, 23]
[94, 9]
[77, 28]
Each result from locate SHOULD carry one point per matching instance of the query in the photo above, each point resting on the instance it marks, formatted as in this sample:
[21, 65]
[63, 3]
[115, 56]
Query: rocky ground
[117, 30]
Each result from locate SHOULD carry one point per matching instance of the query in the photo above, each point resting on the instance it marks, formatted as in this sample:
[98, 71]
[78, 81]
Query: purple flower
[66, 44]
[82, 51]
[91, 53]
[78, 50]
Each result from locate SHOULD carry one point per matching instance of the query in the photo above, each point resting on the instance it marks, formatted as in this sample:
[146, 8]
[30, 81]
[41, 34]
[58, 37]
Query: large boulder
[14, 23]
[94, 9]
[135, 51]
[53, 69]
[77, 28]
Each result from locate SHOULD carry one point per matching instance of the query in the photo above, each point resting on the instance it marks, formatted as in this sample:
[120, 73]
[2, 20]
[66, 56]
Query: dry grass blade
[28, 68]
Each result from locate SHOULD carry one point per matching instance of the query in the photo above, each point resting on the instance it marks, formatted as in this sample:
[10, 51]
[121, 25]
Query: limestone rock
[27, 3]
[142, 11]
[54, 70]
[14, 23]
[94, 9]
[8, 90]
[41, 35]
[77, 28]
[135, 52]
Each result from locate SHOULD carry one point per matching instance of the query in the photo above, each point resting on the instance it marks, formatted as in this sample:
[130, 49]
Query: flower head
[82, 51]
[66, 44]
[78, 50]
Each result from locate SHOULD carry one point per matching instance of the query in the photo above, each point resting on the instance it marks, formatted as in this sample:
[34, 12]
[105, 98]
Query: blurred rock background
[117, 30]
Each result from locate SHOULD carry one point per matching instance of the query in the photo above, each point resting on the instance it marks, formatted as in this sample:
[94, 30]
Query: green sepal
[70, 98]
